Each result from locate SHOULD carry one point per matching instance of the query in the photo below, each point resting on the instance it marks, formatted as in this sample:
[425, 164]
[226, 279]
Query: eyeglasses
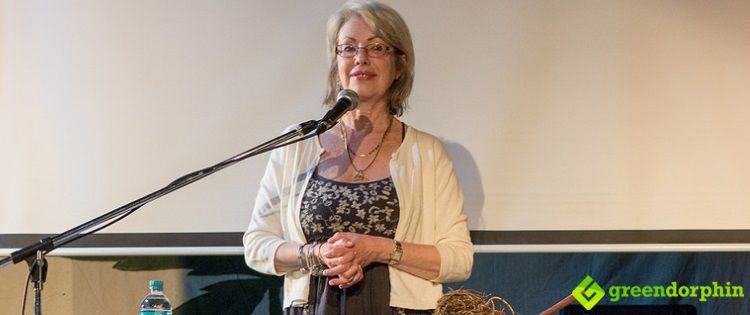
[373, 50]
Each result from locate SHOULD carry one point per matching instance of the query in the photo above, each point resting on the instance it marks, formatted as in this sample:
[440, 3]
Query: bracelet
[317, 255]
[314, 255]
[320, 266]
[308, 258]
[300, 266]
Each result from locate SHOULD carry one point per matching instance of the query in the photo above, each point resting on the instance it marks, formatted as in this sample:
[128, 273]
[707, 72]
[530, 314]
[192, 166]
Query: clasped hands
[346, 254]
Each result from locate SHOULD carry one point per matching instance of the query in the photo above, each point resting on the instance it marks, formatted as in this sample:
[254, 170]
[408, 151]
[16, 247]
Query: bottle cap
[156, 285]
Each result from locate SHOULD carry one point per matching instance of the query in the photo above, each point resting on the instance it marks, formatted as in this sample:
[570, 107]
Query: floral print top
[366, 208]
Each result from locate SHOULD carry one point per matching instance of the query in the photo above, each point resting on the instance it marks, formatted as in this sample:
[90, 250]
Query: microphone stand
[35, 254]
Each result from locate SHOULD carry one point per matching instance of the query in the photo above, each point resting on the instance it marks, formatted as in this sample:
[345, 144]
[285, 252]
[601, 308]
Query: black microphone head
[346, 100]
[350, 96]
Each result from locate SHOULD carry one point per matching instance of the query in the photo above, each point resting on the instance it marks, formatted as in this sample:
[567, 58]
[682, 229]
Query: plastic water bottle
[156, 303]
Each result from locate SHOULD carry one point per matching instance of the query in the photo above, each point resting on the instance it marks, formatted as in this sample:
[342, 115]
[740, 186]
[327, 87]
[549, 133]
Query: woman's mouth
[362, 75]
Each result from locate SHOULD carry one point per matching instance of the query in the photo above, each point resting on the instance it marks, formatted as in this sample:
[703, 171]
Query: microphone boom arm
[49, 244]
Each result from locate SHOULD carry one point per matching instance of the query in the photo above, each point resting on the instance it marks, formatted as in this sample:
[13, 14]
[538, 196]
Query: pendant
[358, 176]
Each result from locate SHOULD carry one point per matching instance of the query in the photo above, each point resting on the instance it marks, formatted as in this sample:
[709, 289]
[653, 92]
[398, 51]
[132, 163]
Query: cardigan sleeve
[452, 231]
[264, 234]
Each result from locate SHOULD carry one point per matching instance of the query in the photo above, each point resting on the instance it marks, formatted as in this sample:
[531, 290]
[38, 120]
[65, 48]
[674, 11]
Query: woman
[367, 218]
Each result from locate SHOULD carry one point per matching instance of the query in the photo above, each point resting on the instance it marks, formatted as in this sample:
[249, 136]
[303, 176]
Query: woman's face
[370, 77]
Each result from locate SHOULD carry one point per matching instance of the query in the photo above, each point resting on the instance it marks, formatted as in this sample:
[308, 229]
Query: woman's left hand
[367, 249]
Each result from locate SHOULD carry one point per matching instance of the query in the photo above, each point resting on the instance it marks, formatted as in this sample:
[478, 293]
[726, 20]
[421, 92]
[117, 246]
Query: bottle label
[156, 312]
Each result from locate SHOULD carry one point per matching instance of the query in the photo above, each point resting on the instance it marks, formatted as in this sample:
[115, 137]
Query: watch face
[396, 254]
[395, 258]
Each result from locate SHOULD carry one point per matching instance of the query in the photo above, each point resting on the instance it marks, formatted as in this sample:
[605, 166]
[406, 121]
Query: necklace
[365, 154]
[359, 174]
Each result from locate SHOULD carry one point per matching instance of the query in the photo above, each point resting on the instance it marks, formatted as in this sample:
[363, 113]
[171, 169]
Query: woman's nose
[360, 57]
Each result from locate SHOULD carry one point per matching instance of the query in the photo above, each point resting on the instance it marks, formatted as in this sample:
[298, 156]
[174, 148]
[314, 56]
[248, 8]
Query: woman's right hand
[348, 278]
[339, 257]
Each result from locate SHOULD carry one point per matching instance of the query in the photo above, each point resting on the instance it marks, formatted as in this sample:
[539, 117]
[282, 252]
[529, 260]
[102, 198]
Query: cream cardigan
[431, 213]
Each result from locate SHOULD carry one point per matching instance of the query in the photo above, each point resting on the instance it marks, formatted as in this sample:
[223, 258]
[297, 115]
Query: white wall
[559, 115]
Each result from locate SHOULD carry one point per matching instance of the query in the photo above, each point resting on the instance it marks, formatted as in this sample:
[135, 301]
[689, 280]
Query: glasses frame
[367, 48]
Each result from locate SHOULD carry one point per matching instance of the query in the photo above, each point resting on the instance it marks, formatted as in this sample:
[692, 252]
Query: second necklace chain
[359, 173]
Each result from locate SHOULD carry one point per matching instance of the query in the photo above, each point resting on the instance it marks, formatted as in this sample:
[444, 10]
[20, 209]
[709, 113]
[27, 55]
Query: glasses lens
[346, 51]
[376, 50]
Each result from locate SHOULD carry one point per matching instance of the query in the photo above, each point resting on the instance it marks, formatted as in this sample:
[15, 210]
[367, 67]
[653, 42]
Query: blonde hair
[387, 24]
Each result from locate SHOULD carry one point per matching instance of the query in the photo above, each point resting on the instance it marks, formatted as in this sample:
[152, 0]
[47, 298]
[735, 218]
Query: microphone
[346, 100]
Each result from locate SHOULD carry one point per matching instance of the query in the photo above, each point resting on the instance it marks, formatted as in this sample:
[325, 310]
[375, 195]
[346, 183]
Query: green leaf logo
[588, 293]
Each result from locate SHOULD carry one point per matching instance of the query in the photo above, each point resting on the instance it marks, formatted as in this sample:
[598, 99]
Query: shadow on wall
[471, 182]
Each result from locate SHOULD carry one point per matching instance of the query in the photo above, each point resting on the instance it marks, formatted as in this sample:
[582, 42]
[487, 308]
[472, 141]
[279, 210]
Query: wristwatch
[396, 254]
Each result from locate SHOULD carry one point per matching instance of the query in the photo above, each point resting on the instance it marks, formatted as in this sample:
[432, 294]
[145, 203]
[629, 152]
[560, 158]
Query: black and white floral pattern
[366, 208]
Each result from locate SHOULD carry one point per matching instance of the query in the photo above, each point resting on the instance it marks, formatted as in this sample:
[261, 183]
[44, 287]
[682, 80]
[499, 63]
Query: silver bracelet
[300, 265]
